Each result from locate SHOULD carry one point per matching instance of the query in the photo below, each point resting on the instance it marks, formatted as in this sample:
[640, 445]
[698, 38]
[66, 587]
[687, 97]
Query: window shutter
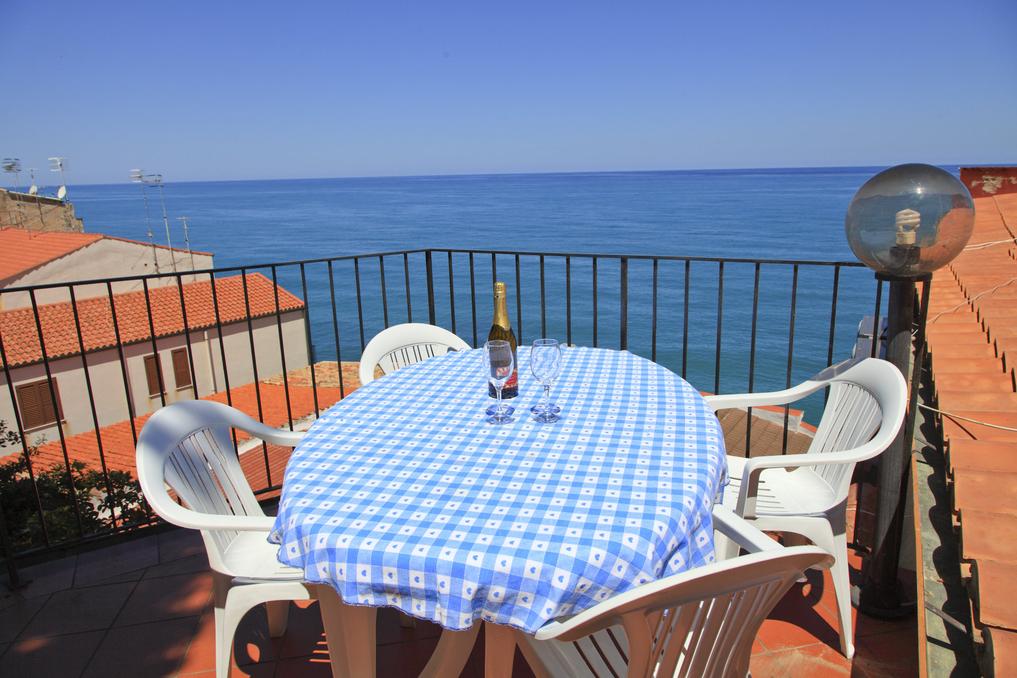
[31, 408]
[152, 374]
[181, 368]
[36, 404]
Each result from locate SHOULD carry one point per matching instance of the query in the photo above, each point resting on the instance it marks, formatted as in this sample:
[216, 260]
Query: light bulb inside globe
[909, 220]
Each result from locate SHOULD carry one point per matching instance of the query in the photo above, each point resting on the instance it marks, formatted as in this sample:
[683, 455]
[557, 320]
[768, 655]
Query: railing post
[14, 580]
[623, 306]
[430, 286]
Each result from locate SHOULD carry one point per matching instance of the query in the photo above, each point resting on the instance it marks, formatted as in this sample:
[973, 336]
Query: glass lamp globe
[909, 220]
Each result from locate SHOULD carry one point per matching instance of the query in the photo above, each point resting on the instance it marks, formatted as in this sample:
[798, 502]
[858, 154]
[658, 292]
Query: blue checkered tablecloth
[402, 494]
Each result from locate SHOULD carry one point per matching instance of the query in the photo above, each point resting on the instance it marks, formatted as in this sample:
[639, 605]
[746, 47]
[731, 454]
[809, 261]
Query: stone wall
[37, 213]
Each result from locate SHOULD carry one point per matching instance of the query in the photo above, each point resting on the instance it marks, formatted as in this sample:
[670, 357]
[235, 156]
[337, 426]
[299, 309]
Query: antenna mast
[57, 165]
[138, 177]
[187, 239]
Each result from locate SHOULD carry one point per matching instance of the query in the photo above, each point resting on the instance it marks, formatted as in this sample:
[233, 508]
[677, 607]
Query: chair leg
[842, 587]
[278, 616]
[223, 644]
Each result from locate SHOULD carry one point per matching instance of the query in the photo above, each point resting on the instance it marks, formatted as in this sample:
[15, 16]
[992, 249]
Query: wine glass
[545, 363]
[498, 367]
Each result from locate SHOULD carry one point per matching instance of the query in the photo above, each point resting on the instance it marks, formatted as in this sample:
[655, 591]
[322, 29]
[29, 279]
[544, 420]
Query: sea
[780, 214]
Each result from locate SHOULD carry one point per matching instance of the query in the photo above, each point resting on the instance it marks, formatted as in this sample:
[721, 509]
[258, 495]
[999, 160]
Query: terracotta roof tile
[25, 250]
[21, 339]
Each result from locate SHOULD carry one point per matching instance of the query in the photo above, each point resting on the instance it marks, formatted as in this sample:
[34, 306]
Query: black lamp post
[903, 223]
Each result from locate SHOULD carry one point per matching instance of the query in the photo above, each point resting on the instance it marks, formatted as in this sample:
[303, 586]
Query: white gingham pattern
[403, 495]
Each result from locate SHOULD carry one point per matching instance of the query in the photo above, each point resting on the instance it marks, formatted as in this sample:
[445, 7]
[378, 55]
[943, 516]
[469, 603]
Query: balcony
[100, 586]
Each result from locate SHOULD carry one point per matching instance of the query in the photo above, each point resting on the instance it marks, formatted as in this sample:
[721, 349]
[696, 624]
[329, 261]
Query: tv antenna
[56, 164]
[187, 238]
[138, 177]
[13, 166]
[33, 189]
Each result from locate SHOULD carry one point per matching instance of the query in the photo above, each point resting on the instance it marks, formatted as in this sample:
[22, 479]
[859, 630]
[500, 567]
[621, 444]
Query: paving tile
[49, 577]
[154, 649]
[64, 656]
[15, 614]
[126, 559]
[891, 654]
[815, 661]
[186, 565]
[251, 643]
[796, 622]
[179, 543]
[86, 609]
[984, 490]
[304, 634]
[184, 595]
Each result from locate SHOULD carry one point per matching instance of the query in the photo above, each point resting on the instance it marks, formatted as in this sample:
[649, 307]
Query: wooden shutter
[36, 404]
[153, 374]
[181, 368]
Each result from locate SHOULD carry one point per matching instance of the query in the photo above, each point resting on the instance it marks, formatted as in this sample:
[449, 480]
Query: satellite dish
[61, 193]
[33, 190]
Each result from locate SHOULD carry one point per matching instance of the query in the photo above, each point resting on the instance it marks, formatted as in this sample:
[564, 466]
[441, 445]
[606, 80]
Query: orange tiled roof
[21, 339]
[118, 439]
[973, 344]
[25, 250]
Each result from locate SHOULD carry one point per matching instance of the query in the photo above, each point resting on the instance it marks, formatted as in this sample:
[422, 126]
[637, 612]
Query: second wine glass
[499, 364]
[545, 363]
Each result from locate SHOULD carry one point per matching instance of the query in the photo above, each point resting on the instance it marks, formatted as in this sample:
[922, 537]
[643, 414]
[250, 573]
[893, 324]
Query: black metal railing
[724, 324]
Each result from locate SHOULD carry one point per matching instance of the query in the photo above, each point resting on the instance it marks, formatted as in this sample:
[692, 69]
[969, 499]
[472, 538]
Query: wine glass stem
[547, 397]
[499, 411]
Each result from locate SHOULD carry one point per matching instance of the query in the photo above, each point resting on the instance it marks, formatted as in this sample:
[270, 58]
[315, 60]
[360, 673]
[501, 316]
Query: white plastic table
[402, 495]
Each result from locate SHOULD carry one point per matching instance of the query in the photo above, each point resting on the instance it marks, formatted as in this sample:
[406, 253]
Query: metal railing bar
[307, 338]
[222, 351]
[519, 300]
[595, 323]
[623, 303]
[662, 257]
[282, 349]
[406, 281]
[123, 361]
[653, 314]
[451, 293]
[57, 414]
[543, 301]
[91, 406]
[429, 265]
[720, 323]
[473, 298]
[752, 357]
[568, 301]
[833, 324]
[24, 442]
[494, 269]
[790, 354]
[384, 291]
[187, 339]
[254, 370]
[685, 320]
[335, 331]
[360, 305]
[155, 346]
[874, 349]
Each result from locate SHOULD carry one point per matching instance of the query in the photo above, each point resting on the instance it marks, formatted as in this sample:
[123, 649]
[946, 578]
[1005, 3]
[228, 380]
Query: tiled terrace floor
[143, 608]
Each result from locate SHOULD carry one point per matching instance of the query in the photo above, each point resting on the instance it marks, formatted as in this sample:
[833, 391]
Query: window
[153, 373]
[181, 368]
[35, 402]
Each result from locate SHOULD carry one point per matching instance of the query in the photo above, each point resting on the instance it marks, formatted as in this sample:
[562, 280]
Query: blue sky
[217, 90]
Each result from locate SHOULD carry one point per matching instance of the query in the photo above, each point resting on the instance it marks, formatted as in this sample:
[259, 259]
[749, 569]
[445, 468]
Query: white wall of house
[105, 258]
[106, 374]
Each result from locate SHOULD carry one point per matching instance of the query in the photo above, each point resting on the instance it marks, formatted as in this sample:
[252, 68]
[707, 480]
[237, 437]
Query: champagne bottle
[501, 328]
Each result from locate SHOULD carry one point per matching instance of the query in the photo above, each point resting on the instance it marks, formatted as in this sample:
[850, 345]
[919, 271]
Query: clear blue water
[769, 214]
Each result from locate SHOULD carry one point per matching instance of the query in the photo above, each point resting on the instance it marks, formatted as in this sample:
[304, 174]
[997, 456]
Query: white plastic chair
[700, 623]
[864, 412]
[406, 344]
[188, 446]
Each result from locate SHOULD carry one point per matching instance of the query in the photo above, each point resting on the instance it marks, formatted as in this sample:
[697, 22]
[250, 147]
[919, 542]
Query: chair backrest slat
[851, 418]
[402, 345]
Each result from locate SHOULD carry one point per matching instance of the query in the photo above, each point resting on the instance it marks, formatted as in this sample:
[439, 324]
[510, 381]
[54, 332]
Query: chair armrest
[273, 435]
[742, 532]
[762, 399]
[178, 515]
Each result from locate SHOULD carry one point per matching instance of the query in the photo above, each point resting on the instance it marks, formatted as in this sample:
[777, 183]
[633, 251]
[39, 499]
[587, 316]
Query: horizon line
[453, 175]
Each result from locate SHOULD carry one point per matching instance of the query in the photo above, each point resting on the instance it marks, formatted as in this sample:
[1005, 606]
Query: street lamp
[904, 223]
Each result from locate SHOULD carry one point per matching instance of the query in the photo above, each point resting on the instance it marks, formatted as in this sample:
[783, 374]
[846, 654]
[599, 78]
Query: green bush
[100, 506]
